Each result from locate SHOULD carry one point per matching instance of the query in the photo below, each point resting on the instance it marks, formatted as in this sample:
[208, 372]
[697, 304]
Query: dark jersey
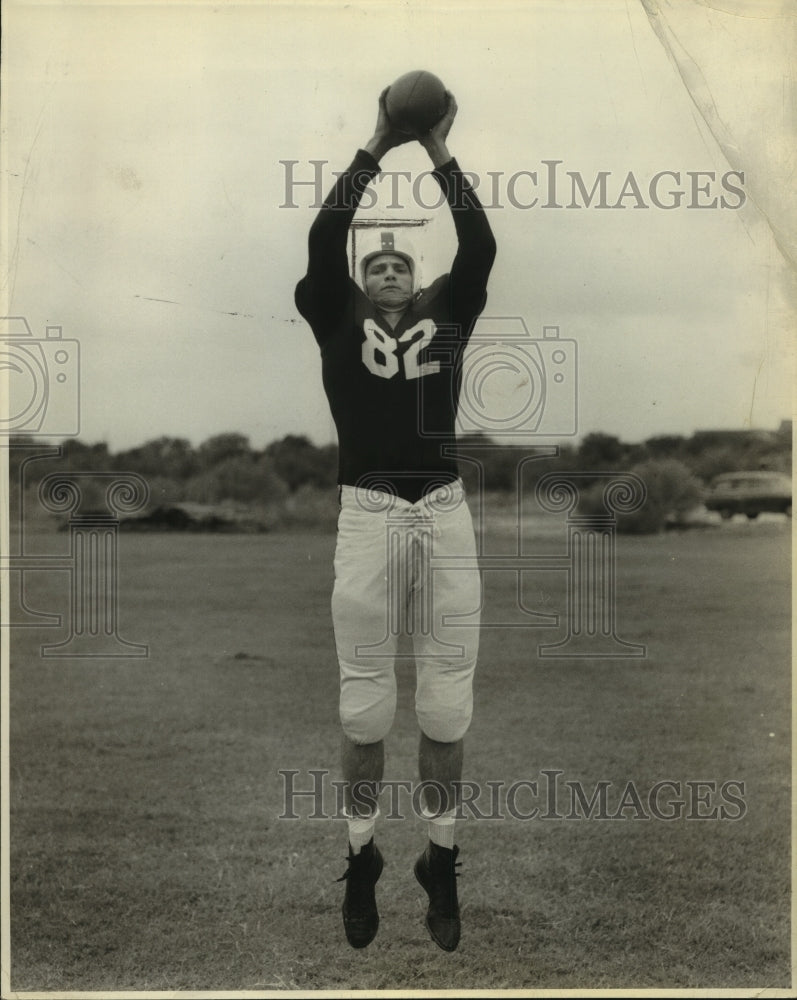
[394, 393]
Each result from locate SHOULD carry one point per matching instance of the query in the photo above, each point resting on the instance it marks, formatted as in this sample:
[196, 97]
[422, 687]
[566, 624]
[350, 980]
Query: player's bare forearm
[438, 152]
[434, 142]
[377, 146]
[385, 137]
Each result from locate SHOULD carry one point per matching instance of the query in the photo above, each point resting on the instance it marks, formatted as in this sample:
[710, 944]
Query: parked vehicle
[749, 493]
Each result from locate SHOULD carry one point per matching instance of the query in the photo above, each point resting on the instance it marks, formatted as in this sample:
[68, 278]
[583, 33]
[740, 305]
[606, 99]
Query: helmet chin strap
[394, 316]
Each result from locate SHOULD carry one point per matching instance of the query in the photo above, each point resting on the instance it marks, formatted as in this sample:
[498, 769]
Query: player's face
[388, 282]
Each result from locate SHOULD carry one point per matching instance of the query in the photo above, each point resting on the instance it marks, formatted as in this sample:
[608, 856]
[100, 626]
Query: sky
[148, 214]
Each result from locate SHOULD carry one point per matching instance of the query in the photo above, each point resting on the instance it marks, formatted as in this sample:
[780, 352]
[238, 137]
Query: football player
[391, 356]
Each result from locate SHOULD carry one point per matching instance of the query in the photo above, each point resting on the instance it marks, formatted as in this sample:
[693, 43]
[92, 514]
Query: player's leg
[366, 648]
[447, 595]
[366, 655]
[440, 767]
[445, 660]
[363, 765]
[440, 771]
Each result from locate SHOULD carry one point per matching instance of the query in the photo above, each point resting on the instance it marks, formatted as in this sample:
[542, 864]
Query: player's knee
[367, 724]
[443, 723]
[444, 699]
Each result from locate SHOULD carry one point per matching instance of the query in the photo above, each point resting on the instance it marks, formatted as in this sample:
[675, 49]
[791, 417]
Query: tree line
[227, 467]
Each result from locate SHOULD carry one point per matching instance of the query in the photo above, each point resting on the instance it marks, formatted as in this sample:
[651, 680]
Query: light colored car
[749, 493]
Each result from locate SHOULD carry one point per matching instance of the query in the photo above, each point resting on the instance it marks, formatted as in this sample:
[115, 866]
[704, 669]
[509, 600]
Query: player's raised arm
[434, 141]
[476, 244]
[385, 136]
[325, 286]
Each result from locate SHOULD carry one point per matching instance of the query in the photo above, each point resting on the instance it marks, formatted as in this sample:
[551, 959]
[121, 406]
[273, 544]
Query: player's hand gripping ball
[416, 102]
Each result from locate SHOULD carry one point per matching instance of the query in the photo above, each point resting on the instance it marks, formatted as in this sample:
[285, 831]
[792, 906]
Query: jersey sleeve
[476, 247]
[323, 292]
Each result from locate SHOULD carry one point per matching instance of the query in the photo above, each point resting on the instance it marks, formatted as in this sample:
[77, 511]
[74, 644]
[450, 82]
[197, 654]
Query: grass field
[147, 852]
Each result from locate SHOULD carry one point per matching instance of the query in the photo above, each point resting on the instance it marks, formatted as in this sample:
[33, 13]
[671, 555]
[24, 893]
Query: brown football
[416, 102]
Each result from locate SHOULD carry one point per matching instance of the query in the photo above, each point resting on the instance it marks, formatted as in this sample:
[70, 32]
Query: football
[416, 102]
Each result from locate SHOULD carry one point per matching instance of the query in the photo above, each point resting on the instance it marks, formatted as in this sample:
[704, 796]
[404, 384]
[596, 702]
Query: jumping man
[391, 357]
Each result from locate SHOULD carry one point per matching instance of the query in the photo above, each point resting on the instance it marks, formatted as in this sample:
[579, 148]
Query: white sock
[441, 828]
[361, 829]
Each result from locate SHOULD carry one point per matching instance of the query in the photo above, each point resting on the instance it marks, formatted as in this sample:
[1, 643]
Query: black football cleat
[435, 869]
[360, 916]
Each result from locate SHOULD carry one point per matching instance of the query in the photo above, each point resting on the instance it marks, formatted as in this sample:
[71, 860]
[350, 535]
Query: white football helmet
[372, 243]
